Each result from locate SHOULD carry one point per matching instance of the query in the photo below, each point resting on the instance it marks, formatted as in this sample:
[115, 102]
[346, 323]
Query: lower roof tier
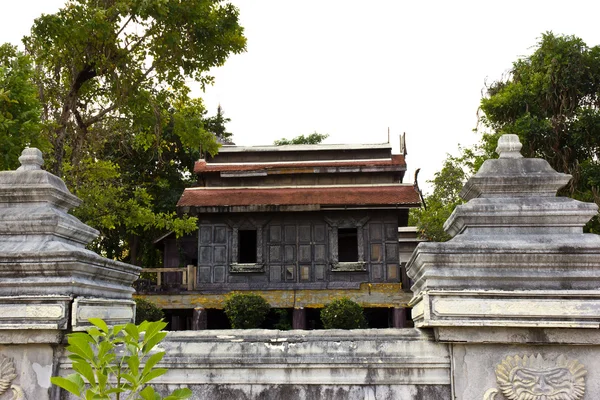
[390, 195]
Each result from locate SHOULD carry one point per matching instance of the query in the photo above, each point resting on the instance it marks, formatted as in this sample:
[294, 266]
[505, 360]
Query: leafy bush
[246, 311]
[284, 322]
[106, 361]
[147, 311]
[343, 314]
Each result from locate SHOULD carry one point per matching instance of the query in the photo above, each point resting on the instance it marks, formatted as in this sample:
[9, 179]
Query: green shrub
[284, 322]
[115, 362]
[246, 311]
[147, 311]
[343, 314]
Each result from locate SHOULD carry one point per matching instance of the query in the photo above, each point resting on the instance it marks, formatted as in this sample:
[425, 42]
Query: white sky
[354, 68]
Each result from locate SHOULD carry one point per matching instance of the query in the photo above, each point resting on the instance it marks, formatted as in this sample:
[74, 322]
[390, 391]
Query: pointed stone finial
[509, 146]
[31, 159]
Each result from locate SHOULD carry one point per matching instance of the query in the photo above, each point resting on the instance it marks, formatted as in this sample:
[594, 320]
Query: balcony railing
[179, 279]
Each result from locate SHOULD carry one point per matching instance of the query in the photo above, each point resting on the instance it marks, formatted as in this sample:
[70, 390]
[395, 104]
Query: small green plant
[284, 322]
[107, 360]
[147, 311]
[343, 314]
[246, 310]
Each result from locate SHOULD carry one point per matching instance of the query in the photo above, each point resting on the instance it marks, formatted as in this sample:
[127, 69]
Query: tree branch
[100, 115]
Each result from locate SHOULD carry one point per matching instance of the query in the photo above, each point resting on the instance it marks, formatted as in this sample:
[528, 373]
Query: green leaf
[85, 370]
[151, 362]
[99, 323]
[134, 364]
[72, 383]
[80, 345]
[178, 394]
[117, 329]
[130, 378]
[153, 327]
[133, 331]
[148, 393]
[115, 390]
[153, 341]
[155, 373]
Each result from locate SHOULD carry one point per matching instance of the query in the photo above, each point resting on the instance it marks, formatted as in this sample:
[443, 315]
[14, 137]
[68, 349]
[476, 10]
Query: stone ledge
[552, 309]
[112, 311]
[30, 312]
[330, 357]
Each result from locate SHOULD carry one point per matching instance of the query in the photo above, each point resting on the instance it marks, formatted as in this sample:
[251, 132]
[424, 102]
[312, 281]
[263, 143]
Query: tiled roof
[203, 166]
[366, 195]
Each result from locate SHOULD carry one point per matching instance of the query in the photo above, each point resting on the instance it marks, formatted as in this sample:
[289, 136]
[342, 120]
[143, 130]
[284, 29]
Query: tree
[216, 126]
[447, 184]
[313, 138]
[123, 131]
[19, 107]
[551, 100]
[100, 60]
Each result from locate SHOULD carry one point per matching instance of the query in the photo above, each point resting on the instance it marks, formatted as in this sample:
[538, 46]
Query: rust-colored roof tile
[330, 196]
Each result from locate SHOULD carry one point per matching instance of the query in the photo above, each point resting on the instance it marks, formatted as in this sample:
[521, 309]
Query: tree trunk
[134, 248]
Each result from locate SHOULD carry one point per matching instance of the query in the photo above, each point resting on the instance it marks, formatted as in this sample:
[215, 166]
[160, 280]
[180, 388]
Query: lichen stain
[43, 374]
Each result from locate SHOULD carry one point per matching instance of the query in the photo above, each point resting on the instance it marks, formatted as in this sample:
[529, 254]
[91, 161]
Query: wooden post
[299, 318]
[175, 323]
[191, 277]
[399, 317]
[199, 319]
[158, 278]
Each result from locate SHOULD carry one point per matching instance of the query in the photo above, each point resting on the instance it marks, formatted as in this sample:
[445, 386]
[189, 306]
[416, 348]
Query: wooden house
[298, 224]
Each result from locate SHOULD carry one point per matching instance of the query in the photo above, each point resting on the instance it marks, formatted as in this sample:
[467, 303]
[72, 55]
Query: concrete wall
[294, 365]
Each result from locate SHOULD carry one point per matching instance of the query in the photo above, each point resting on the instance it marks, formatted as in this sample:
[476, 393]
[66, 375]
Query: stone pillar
[199, 319]
[299, 318]
[399, 317]
[516, 291]
[50, 283]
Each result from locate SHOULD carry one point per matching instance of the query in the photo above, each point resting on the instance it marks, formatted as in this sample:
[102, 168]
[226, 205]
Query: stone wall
[509, 309]
[295, 365]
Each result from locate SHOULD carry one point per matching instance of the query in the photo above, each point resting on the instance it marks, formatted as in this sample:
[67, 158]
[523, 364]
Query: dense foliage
[447, 184]
[343, 314]
[551, 100]
[313, 138]
[216, 126]
[116, 362]
[147, 311]
[20, 107]
[117, 121]
[246, 310]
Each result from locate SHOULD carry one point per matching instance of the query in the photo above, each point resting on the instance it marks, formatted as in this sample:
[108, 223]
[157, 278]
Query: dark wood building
[300, 225]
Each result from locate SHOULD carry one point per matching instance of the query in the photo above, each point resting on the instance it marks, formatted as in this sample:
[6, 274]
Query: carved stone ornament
[533, 378]
[7, 374]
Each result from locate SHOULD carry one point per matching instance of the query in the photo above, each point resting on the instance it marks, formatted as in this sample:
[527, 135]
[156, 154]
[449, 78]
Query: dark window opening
[279, 318]
[216, 319]
[178, 319]
[379, 317]
[348, 245]
[313, 318]
[247, 247]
